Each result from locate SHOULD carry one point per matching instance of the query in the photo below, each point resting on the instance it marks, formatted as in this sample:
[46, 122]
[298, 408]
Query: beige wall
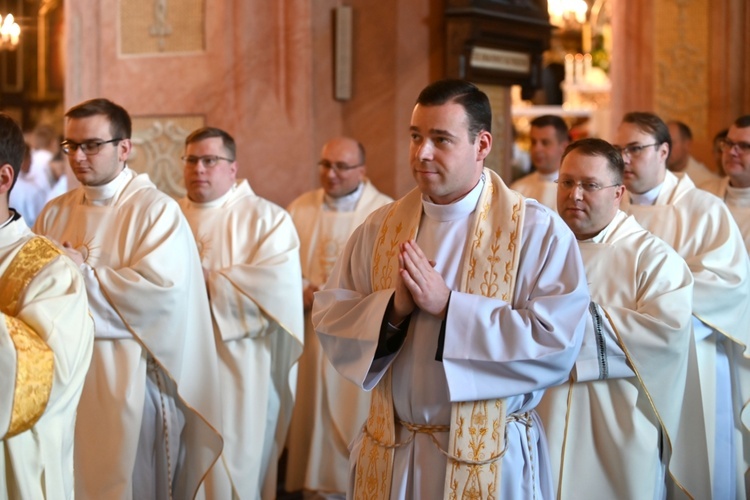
[686, 60]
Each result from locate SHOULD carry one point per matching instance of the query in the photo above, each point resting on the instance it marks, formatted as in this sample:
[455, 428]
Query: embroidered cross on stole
[477, 428]
[34, 358]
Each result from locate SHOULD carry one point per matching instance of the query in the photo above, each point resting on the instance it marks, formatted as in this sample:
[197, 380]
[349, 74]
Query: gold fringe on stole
[34, 358]
[477, 428]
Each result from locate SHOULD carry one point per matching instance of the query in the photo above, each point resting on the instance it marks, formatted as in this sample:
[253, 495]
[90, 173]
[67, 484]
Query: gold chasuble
[477, 428]
[33, 384]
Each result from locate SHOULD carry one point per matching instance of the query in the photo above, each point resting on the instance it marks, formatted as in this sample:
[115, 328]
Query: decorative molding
[158, 143]
[178, 29]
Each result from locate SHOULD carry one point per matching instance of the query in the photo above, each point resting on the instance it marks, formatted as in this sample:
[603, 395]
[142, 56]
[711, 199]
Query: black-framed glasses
[338, 166]
[589, 187]
[728, 145]
[89, 148]
[208, 161]
[635, 150]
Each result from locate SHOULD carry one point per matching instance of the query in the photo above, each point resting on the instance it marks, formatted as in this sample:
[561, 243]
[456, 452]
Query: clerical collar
[458, 209]
[737, 195]
[100, 195]
[14, 216]
[550, 177]
[647, 198]
[217, 202]
[346, 203]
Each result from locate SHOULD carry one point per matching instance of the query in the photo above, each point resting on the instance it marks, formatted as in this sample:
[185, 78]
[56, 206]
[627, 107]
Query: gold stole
[477, 428]
[34, 358]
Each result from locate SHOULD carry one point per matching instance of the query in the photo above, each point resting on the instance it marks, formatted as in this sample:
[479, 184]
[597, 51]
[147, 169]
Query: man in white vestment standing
[329, 410]
[734, 189]
[28, 195]
[148, 422]
[46, 339]
[620, 421]
[249, 251]
[681, 160]
[457, 305]
[549, 138]
[701, 229]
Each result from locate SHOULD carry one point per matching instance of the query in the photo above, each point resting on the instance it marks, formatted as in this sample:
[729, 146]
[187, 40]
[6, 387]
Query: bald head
[341, 166]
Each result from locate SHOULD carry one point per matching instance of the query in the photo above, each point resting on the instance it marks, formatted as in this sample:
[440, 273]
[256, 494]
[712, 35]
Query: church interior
[285, 76]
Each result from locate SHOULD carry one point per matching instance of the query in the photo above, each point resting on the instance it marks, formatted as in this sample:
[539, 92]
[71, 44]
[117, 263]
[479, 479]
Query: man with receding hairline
[148, 423]
[618, 429]
[249, 251]
[46, 339]
[457, 305]
[329, 409]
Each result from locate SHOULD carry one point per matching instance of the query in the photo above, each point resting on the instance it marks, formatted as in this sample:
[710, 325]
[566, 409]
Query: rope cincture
[153, 367]
[430, 430]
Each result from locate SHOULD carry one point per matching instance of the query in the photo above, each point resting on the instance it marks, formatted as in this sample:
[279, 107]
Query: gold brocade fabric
[477, 428]
[34, 358]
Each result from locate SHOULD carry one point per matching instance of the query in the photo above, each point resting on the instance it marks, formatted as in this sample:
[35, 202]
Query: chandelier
[562, 12]
[9, 32]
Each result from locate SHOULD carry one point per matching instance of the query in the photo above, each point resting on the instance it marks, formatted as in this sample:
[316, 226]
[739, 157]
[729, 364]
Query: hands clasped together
[420, 285]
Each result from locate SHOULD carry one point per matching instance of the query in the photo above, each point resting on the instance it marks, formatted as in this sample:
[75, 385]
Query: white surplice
[329, 410]
[492, 349]
[38, 462]
[541, 188]
[702, 231]
[738, 202]
[154, 354]
[250, 249]
[606, 427]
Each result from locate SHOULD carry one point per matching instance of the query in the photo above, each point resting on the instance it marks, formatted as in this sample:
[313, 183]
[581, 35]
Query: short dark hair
[650, 124]
[685, 131]
[204, 133]
[561, 128]
[12, 145]
[120, 125]
[742, 122]
[599, 147]
[474, 101]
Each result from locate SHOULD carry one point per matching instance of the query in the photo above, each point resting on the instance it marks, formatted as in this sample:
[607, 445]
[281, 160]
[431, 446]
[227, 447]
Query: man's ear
[484, 141]
[6, 178]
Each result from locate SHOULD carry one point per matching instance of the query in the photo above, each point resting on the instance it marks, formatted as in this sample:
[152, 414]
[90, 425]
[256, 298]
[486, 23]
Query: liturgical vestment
[329, 410]
[626, 397]
[46, 340]
[738, 202]
[510, 347]
[153, 348]
[702, 231]
[250, 251]
[541, 188]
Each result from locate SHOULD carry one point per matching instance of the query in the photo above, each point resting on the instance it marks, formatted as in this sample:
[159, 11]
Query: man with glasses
[250, 255]
[46, 339]
[625, 398]
[734, 189]
[549, 138]
[701, 229]
[329, 410]
[148, 423]
[457, 305]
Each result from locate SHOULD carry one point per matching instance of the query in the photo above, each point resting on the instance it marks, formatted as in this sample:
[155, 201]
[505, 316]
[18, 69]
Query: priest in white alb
[249, 251]
[329, 410]
[734, 189]
[548, 137]
[702, 231]
[149, 419]
[619, 427]
[457, 305]
[46, 340]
